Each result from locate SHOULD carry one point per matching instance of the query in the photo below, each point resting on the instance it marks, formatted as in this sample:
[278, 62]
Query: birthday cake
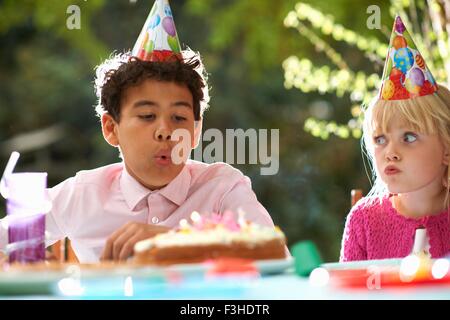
[212, 237]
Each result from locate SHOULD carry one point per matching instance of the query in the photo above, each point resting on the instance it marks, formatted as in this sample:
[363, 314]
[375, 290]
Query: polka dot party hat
[158, 39]
[405, 74]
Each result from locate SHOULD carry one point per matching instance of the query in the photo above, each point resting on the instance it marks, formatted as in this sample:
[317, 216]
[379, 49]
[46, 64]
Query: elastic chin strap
[446, 181]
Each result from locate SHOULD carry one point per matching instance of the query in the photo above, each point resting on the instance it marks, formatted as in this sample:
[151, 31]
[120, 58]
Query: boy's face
[150, 112]
[409, 161]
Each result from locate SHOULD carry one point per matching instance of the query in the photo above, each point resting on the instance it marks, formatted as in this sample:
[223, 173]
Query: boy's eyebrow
[149, 103]
[182, 104]
[142, 103]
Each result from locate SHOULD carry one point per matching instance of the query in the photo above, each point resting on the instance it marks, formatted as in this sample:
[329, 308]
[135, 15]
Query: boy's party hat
[405, 74]
[158, 39]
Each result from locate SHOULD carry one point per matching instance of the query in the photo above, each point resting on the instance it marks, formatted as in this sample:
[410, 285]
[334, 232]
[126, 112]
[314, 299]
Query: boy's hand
[120, 244]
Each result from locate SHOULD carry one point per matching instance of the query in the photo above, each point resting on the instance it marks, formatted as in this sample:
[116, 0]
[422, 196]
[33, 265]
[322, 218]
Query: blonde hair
[427, 114]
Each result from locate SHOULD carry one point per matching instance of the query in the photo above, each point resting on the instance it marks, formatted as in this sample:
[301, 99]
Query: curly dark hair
[122, 71]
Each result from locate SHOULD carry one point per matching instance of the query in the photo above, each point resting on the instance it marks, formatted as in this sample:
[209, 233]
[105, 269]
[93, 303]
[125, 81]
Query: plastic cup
[26, 207]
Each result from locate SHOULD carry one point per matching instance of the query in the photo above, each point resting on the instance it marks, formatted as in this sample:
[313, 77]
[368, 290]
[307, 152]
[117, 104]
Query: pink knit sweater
[375, 230]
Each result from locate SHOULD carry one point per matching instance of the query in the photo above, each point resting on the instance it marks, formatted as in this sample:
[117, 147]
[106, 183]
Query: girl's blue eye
[379, 140]
[409, 137]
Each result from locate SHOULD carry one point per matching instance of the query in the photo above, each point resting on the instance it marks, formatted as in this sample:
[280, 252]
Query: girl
[407, 138]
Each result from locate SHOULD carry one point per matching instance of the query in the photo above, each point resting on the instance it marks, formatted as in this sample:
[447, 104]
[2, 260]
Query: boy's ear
[109, 126]
[198, 124]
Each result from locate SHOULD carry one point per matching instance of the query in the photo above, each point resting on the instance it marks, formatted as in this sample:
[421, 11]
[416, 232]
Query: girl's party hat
[158, 39]
[405, 74]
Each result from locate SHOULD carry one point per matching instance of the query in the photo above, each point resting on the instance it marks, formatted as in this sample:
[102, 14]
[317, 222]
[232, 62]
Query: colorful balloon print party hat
[405, 74]
[158, 39]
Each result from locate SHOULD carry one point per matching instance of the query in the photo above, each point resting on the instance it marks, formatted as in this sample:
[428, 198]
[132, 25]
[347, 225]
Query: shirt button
[155, 220]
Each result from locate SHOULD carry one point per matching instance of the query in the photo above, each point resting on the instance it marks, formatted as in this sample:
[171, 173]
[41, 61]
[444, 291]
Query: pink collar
[134, 192]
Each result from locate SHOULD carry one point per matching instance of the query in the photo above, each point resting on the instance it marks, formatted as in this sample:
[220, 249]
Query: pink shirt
[375, 230]
[89, 207]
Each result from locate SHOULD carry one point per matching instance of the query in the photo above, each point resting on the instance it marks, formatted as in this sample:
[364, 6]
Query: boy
[143, 101]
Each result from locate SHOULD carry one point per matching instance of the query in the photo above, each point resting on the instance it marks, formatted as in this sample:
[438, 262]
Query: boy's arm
[61, 196]
[242, 197]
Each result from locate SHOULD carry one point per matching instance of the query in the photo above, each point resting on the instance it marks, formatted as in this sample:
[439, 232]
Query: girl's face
[409, 161]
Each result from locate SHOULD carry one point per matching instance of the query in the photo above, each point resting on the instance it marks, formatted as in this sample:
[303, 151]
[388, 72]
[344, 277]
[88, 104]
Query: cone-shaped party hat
[158, 39]
[405, 74]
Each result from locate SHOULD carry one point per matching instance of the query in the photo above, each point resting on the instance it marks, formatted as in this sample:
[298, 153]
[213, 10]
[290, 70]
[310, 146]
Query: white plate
[351, 265]
[264, 267]
[274, 266]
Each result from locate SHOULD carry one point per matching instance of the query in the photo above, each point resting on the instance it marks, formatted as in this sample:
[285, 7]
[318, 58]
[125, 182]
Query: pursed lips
[391, 170]
[163, 154]
[163, 157]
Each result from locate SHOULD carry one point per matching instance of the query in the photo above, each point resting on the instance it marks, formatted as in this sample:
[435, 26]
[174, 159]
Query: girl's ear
[446, 159]
[109, 129]
[198, 124]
